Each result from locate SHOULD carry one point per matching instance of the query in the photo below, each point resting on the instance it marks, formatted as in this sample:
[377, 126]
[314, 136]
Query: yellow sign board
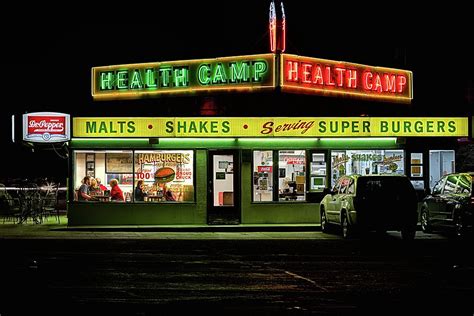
[111, 127]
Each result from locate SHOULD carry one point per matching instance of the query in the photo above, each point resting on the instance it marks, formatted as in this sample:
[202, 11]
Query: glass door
[223, 188]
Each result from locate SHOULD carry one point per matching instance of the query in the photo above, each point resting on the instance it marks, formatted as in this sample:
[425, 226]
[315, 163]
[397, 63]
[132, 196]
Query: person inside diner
[83, 193]
[139, 193]
[116, 194]
[94, 188]
[169, 196]
[101, 186]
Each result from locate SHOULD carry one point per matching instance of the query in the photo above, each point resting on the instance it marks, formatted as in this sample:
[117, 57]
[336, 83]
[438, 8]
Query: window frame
[133, 151]
[276, 172]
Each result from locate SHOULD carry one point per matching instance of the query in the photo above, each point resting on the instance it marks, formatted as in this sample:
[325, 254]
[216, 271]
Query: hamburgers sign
[46, 127]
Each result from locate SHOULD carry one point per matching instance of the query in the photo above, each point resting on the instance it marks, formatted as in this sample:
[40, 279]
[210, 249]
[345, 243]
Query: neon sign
[277, 28]
[327, 77]
[134, 81]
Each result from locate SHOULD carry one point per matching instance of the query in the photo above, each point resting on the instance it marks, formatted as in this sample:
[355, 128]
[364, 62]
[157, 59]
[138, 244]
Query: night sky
[47, 59]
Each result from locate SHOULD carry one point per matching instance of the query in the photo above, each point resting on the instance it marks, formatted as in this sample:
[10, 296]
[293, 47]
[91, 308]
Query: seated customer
[94, 188]
[139, 193]
[169, 196]
[83, 193]
[101, 186]
[116, 193]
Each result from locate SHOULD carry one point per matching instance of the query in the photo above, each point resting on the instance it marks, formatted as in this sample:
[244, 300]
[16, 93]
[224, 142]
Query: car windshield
[384, 186]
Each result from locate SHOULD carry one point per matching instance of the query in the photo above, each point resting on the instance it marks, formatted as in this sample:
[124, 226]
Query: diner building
[252, 139]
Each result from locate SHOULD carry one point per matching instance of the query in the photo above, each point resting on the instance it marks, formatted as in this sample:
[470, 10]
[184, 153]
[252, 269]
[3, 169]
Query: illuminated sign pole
[277, 28]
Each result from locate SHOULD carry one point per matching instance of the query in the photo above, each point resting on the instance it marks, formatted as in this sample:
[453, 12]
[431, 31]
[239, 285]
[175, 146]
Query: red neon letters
[328, 76]
[321, 76]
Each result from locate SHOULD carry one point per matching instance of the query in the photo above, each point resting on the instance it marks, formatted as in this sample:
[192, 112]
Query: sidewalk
[52, 230]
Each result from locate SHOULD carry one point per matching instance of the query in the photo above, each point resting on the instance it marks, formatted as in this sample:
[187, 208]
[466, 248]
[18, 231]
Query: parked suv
[365, 203]
[450, 206]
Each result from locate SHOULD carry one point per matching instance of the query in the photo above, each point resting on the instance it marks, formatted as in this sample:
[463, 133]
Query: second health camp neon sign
[326, 77]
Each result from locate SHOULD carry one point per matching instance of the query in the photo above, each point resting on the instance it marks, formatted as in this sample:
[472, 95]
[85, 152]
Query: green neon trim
[204, 73]
[181, 77]
[239, 72]
[122, 79]
[137, 82]
[165, 74]
[107, 80]
[260, 67]
[219, 74]
[238, 143]
[151, 81]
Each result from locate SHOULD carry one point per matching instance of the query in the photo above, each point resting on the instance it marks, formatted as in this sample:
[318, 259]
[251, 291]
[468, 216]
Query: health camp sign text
[270, 127]
[252, 73]
[326, 77]
[133, 81]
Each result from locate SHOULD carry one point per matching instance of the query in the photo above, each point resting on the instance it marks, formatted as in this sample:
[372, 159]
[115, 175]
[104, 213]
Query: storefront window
[164, 175]
[110, 176]
[441, 163]
[292, 175]
[263, 176]
[365, 162]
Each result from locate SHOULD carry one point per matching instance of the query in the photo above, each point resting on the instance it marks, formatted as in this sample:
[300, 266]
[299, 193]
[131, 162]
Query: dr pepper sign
[46, 127]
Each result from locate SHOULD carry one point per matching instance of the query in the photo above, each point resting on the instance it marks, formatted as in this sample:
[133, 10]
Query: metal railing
[28, 201]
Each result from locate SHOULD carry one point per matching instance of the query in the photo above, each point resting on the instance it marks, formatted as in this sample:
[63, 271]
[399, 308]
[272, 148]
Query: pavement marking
[296, 276]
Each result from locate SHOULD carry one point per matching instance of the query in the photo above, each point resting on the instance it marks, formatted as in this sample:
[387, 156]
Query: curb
[216, 228]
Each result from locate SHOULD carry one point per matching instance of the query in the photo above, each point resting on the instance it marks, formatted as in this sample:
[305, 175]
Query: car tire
[346, 228]
[408, 233]
[425, 221]
[324, 221]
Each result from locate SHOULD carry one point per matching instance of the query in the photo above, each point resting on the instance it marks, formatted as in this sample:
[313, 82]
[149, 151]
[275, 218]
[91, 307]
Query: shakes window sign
[134, 81]
[326, 77]
[271, 127]
[46, 127]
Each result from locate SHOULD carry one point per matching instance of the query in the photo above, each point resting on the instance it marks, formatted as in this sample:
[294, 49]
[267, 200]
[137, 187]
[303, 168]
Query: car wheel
[408, 233]
[459, 228]
[425, 221]
[324, 222]
[345, 227]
